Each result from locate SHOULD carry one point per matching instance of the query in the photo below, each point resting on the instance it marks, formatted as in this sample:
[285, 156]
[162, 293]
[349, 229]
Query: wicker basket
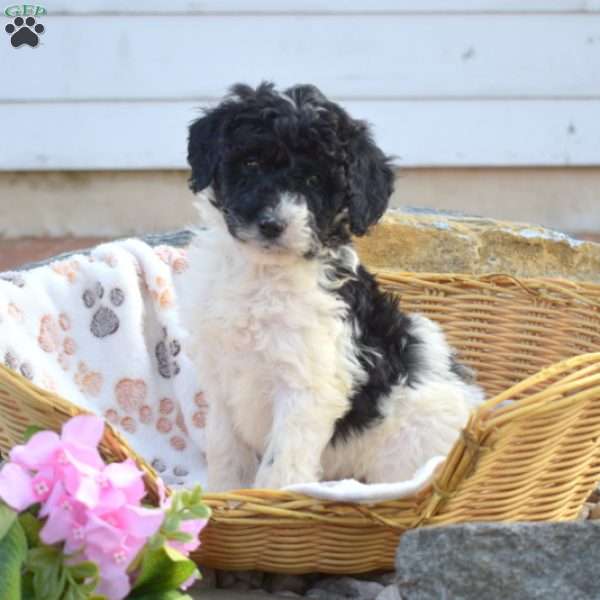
[531, 452]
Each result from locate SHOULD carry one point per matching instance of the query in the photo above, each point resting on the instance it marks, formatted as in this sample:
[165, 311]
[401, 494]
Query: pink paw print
[52, 338]
[89, 382]
[176, 258]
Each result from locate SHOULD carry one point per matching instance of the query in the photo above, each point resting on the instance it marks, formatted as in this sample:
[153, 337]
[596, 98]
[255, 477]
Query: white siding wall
[444, 82]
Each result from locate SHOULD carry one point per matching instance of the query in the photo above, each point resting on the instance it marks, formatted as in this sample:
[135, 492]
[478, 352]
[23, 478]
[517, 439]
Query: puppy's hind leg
[424, 422]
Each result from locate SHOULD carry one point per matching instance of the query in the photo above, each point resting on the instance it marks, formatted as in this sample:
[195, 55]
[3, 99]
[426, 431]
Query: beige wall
[108, 204]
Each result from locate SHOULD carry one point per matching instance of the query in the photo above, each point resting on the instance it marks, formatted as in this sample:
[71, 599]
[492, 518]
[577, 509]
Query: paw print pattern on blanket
[166, 352]
[67, 268]
[178, 471]
[131, 396]
[105, 320]
[89, 382]
[176, 258]
[168, 425]
[14, 278]
[199, 417]
[52, 338]
[13, 362]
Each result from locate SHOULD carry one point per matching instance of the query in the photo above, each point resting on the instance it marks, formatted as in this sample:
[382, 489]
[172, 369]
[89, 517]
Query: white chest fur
[265, 331]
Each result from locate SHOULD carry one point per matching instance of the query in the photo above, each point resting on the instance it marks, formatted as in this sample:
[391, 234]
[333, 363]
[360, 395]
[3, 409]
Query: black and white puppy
[309, 369]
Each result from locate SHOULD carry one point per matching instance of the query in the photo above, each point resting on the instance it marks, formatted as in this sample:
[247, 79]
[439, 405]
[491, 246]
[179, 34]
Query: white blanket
[103, 331]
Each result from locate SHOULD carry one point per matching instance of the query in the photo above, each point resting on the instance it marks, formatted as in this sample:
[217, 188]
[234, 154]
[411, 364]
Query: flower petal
[123, 474]
[58, 526]
[193, 527]
[15, 487]
[88, 492]
[141, 522]
[51, 504]
[115, 588]
[38, 451]
[83, 430]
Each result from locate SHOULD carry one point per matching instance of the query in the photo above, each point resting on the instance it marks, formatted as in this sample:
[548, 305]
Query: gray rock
[278, 583]
[230, 595]
[225, 579]
[253, 578]
[389, 593]
[208, 581]
[347, 587]
[487, 561]
[387, 578]
[319, 594]
[240, 586]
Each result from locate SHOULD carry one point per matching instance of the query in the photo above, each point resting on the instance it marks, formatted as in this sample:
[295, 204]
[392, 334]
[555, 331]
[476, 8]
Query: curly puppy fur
[310, 370]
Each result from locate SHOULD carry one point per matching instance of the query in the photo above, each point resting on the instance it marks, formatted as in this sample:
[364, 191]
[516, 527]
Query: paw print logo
[166, 352]
[24, 31]
[105, 320]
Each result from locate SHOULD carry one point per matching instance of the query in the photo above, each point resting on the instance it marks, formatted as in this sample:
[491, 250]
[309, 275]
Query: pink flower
[112, 542]
[46, 458]
[93, 509]
[193, 527]
[118, 484]
[16, 487]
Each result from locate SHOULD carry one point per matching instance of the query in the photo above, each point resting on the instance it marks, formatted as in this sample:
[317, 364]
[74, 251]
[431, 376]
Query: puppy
[309, 369]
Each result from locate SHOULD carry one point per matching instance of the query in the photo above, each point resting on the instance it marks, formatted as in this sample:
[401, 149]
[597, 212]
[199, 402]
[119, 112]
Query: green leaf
[200, 511]
[180, 536]
[7, 518]
[27, 592]
[44, 556]
[13, 550]
[49, 577]
[73, 593]
[31, 526]
[163, 570]
[84, 570]
[30, 432]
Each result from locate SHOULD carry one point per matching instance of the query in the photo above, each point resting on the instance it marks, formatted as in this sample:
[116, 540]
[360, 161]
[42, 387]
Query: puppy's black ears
[204, 150]
[370, 180]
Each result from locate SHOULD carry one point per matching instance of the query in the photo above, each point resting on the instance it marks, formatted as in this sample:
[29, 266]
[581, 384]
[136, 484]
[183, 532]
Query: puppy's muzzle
[270, 226]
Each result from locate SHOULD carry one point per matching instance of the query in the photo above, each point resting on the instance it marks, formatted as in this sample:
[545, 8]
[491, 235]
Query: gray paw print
[166, 351]
[14, 278]
[12, 362]
[105, 320]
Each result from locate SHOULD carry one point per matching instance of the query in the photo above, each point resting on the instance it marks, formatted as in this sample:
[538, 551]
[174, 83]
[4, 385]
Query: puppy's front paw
[278, 475]
[223, 483]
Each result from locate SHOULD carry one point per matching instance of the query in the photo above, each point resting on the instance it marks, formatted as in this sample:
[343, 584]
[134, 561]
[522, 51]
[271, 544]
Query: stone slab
[488, 561]
[436, 242]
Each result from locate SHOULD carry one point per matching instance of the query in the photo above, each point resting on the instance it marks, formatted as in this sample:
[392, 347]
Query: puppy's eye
[251, 163]
[312, 181]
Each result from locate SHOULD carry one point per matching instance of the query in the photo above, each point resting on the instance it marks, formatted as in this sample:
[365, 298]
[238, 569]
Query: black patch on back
[386, 351]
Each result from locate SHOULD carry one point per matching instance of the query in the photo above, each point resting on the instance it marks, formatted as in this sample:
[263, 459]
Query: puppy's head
[292, 171]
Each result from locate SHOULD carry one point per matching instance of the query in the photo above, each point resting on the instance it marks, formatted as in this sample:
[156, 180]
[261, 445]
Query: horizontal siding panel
[176, 57]
[321, 6]
[142, 135]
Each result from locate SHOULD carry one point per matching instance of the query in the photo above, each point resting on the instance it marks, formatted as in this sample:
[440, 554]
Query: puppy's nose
[270, 227]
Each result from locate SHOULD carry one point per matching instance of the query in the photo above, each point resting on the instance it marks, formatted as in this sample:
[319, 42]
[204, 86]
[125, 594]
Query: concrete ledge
[119, 203]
